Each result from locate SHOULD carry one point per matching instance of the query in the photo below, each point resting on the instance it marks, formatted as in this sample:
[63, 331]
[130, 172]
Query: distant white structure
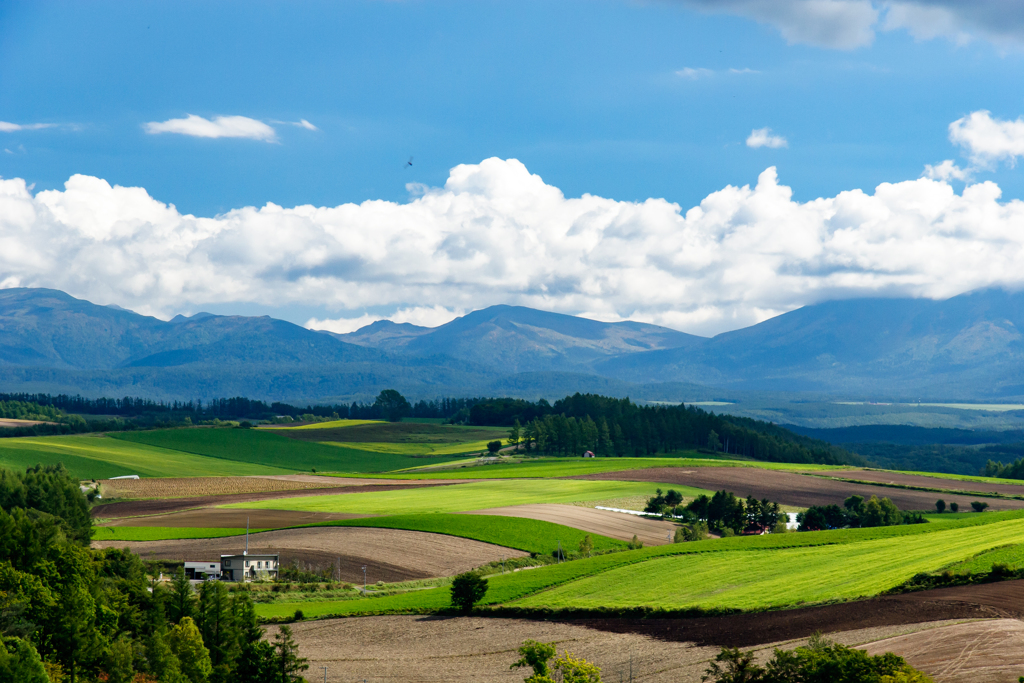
[126, 476]
[247, 567]
[589, 454]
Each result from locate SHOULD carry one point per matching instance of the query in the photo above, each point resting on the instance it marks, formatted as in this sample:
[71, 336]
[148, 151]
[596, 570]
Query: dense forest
[68, 613]
[619, 427]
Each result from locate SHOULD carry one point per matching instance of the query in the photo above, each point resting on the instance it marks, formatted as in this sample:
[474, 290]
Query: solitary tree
[940, 506]
[467, 590]
[392, 405]
[493, 447]
[288, 664]
[954, 507]
[586, 546]
[979, 506]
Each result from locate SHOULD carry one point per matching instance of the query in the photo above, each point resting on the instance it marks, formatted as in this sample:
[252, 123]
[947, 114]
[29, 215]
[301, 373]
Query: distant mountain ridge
[969, 347]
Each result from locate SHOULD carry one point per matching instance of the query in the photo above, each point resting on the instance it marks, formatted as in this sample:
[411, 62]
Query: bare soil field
[219, 518]
[389, 554]
[12, 423]
[988, 651]
[190, 487]
[929, 482]
[612, 524]
[421, 649]
[797, 490]
[136, 508]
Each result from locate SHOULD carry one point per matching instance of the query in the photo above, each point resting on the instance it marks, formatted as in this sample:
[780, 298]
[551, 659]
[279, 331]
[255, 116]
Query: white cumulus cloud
[988, 140]
[424, 316]
[495, 233]
[762, 137]
[693, 74]
[218, 127]
[8, 127]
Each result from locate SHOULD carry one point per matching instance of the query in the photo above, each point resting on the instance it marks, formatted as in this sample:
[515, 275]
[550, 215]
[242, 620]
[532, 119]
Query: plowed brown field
[797, 490]
[188, 487]
[220, 518]
[415, 648]
[612, 524]
[389, 554]
[929, 482]
[989, 651]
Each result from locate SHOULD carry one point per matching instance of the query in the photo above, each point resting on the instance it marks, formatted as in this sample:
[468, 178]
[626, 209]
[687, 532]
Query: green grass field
[529, 535]
[1010, 555]
[896, 553]
[161, 533]
[461, 497]
[545, 467]
[777, 578]
[269, 448]
[98, 457]
[333, 424]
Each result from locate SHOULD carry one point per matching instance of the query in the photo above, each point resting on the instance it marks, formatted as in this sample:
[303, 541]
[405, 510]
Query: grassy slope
[95, 457]
[569, 467]
[529, 535]
[418, 448]
[508, 588]
[267, 448]
[776, 578]
[334, 424]
[460, 497]
[161, 533]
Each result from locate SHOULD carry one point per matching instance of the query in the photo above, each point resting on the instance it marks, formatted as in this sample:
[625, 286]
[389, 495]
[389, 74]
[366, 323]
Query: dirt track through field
[418, 648]
[797, 490]
[929, 482]
[135, 508]
[612, 524]
[389, 554]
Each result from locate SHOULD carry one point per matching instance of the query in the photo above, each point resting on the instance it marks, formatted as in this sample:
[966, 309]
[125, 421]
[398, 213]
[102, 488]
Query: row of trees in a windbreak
[69, 613]
[52, 407]
[619, 427]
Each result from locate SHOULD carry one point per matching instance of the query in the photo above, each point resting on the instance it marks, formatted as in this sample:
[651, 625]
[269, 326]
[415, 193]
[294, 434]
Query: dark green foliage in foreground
[467, 590]
[91, 613]
[820, 662]
[49, 489]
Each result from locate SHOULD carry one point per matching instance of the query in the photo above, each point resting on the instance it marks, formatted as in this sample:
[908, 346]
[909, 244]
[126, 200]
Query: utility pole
[325, 673]
[246, 536]
[364, 578]
[559, 552]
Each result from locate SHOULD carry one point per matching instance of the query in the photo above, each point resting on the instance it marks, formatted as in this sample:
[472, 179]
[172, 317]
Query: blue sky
[621, 100]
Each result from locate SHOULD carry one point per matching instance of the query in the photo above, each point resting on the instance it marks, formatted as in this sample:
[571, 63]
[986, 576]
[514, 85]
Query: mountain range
[965, 348]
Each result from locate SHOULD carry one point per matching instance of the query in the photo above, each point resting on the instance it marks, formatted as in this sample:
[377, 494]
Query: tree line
[723, 513]
[69, 613]
[856, 512]
[619, 427]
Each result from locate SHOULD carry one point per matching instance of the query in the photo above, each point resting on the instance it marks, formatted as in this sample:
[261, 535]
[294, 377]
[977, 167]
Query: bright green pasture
[418, 448]
[1010, 555]
[98, 457]
[461, 497]
[333, 424]
[543, 467]
[776, 578]
[161, 533]
[266, 447]
[529, 535]
[958, 477]
[986, 531]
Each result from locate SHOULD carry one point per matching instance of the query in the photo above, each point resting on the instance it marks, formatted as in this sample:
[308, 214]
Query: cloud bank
[849, 24]
[495, 233]
[8, 127]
